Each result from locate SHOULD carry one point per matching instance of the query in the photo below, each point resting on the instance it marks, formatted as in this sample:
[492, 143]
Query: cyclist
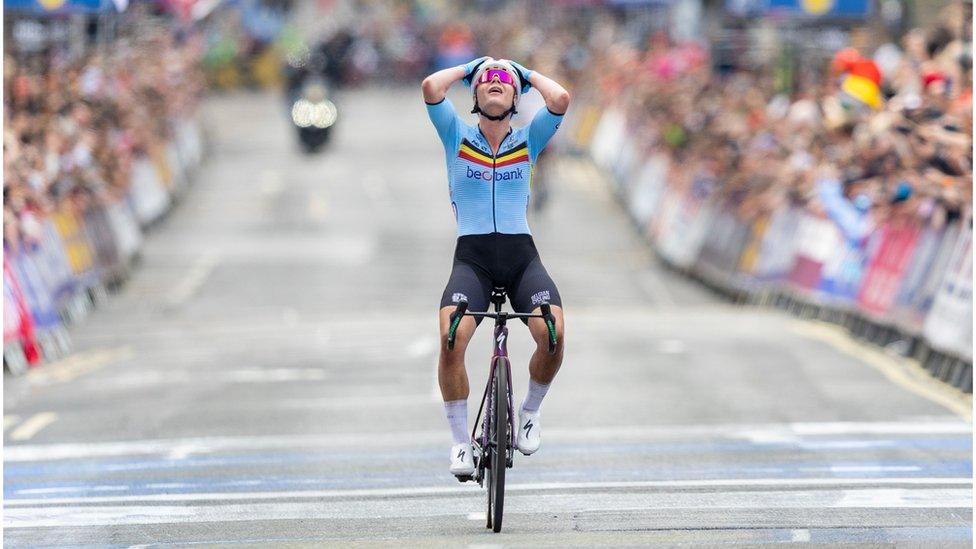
[489, 169]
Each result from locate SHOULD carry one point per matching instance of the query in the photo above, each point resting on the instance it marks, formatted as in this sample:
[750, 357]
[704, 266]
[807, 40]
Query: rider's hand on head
[471, 67]
[524, 75]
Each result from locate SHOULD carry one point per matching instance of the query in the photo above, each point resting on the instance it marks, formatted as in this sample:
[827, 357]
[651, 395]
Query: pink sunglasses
[503, 76]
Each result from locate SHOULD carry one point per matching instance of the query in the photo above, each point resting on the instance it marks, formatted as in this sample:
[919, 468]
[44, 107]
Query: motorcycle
[313, 115]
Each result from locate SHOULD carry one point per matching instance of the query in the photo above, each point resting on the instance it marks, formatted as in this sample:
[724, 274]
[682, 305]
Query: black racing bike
[495, 445]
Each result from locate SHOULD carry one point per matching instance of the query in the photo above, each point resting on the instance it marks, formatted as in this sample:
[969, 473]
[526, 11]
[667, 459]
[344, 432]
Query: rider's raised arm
[439, 108]
[556, 96]
[435, 86]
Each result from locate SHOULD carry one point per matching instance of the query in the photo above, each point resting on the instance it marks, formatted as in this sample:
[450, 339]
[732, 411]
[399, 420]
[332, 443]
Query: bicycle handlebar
[462, 310]
[462, 306]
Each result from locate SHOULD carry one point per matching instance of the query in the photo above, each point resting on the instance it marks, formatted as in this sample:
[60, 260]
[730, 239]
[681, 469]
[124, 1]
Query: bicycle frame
[500, 351]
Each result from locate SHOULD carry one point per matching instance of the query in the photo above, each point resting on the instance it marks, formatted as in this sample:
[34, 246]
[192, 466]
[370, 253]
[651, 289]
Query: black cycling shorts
[509, 261]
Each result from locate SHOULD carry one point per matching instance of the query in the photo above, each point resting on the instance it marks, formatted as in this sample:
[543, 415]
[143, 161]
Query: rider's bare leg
[543, 366]
[451, 374]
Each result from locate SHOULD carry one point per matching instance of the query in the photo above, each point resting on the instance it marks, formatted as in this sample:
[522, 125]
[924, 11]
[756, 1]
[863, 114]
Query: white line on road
[9, 421]
[524, 487]
[158, 378]
[194, 278]
[422, 346]
[455, 501]
[868, 468]
[759, 433]
[800, 535]
[352, 402]
[33, 425]
[77, 364]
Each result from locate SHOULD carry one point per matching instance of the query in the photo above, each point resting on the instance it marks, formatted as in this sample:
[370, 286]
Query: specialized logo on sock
[528, 427]
[540, 298]
[461, 454]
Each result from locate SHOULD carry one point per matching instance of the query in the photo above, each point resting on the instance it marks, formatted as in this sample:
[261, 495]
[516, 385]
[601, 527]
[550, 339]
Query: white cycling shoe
[462, 460]
[529, 435]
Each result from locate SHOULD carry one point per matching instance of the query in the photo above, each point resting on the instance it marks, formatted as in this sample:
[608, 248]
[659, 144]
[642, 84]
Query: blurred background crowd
[858, 113]
[73, 126]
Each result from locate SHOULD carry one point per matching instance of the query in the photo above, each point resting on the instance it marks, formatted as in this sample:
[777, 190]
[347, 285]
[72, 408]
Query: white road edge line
[758, 434]
[472, 489]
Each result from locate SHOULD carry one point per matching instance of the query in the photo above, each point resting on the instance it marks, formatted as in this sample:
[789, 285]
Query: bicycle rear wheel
[499, 441]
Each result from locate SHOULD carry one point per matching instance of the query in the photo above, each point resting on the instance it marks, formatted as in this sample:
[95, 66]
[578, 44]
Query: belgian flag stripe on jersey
[479, 159]
[475, 148]
[514, 156]
[471, 153]
[521, 148]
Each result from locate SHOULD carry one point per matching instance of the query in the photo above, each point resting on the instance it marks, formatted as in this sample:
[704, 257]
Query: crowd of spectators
[757, 147]
[72, 127]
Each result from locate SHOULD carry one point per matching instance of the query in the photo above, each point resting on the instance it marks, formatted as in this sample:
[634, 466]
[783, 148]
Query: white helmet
[496, 64]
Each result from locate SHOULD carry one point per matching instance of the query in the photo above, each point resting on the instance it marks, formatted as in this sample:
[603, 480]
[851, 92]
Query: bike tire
[500, 438]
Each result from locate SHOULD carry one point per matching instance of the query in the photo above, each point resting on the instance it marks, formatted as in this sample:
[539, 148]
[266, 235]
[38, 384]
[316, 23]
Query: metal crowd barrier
[58, 280]
[907, 287]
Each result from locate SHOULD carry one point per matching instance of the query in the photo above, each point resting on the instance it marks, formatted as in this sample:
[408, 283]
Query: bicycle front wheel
[499, 440]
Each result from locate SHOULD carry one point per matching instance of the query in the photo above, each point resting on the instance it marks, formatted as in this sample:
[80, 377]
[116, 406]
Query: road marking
[318, 207]
[194, 278]
[76, 365]
[763, 433]
[868, 468]
[831, 482]
[800, 535]
[352, 402]
[421, 347]
[33, 425]
[9, 421]
[477, 516]
[903, 372]
[454, 501]
[156, 378]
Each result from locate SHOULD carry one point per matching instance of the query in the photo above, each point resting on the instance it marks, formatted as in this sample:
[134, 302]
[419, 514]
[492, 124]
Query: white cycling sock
[534, 396]
[457, 416]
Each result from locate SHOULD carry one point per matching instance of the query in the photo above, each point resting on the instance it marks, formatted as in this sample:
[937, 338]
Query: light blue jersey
[489, 192]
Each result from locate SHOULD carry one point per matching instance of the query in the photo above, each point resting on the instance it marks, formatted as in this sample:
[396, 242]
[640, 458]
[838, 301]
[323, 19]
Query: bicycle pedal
[464, 478]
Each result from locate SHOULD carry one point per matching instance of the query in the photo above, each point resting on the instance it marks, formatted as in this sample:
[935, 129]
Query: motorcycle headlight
[320, 114]
[325, 114]
[301, 113]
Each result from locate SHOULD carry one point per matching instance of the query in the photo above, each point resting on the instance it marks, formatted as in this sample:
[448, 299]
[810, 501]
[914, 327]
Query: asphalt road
[267, 377]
